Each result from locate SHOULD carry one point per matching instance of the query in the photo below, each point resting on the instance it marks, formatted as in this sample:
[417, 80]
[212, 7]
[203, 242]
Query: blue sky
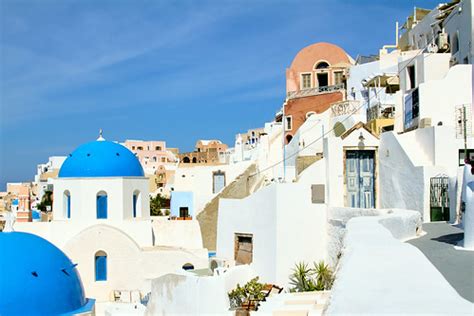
[160, 70]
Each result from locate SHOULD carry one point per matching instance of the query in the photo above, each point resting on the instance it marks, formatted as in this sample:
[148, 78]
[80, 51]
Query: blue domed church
[39, 279]
[101, 220]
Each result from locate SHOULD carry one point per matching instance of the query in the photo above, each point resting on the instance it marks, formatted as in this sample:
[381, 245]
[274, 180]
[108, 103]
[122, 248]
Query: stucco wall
[286, 227]
[379, 274]
[187, 294]
[83, 192]
[129, 267]
[199, 180]
[182, 234]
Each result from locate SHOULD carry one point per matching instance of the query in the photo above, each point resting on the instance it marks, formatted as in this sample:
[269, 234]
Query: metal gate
[439, 198]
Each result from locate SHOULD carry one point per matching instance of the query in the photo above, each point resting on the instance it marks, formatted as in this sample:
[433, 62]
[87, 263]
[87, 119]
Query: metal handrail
[314, 91]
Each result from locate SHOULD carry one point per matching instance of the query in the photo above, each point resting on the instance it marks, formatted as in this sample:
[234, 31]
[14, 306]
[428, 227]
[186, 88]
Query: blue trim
[68, 197]
[101, 268]
[101, 206]
[135, 197]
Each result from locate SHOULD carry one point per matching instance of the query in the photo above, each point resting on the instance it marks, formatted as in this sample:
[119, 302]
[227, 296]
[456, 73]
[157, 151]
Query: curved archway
[194, 159]
[289, 137]
[100, 265]
[67, 204]
[321, 65]
[186, 160]
[101, 205]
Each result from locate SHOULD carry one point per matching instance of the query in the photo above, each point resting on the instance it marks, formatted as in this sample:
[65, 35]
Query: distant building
[208, 152]
[157, 160]
[315, 80]
[21, 200]
[101, 219]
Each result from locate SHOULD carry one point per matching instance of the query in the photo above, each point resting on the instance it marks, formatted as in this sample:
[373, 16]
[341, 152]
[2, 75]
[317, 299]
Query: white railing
[314, 91]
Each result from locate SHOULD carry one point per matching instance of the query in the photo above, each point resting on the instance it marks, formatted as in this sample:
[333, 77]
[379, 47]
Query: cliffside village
[367, 159]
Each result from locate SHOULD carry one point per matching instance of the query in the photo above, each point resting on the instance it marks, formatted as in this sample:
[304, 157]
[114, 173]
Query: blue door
[360, 178]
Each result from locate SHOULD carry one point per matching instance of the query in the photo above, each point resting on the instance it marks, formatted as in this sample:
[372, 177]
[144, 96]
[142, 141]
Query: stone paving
[457, 266]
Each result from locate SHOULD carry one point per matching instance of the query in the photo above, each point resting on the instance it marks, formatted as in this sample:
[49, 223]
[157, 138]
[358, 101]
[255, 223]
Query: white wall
[379, 274]
[199, 180]
[129, 267]
[287, 228]
[182, 234]
[83, 192]
[188, 294]
[408, 161]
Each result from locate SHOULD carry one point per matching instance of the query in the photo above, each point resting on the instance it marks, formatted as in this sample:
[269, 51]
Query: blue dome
[101, 159]
[37, 278]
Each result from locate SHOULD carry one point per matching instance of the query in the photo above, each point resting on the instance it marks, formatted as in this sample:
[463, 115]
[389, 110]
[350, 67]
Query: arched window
[101, 205]
[67, 204]
[186, 160]
[194, 159]
[322, 65]
[188, 266]
[136, 202]
[288, 138]
[100, 263]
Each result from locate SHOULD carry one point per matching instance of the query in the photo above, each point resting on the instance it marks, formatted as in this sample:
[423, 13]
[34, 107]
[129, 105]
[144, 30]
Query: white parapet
[468, 198]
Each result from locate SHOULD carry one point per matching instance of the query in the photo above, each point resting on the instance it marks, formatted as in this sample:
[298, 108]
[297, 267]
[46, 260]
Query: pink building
[151, 154]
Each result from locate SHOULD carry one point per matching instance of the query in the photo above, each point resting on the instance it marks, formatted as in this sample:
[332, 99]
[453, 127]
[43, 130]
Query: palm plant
[306, 279]
[301, 278]
[324, 276]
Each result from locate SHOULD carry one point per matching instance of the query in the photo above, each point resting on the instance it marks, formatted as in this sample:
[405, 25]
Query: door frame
[376, 171]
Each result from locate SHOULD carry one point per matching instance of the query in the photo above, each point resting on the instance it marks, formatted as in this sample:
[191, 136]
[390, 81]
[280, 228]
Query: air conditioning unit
[425, 122]
[217, 263]
[442, 42]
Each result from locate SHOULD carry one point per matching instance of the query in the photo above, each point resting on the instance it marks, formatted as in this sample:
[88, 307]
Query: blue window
[67, 203]
[135, 199]
[101, 266]
[101, 205]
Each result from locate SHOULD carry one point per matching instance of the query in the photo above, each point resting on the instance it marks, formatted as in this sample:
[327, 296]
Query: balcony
[347, 107]
[381, 111]
[314, 91]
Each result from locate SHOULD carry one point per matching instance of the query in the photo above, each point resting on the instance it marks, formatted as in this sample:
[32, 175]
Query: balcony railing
[381, 111]
[347, 107]
[314, 91]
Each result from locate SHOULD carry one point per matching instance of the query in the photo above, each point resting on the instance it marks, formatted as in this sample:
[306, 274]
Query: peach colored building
[21, 193]
[316, 79]
[206, 152]
[155, 158]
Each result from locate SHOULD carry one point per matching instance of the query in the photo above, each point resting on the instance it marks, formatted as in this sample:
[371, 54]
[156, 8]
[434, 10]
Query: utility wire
[332, 129]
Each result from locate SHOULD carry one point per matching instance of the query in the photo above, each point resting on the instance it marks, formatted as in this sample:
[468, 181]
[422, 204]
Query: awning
[383, 80]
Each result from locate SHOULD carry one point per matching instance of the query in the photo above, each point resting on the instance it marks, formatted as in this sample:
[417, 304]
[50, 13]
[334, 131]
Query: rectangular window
[243, 248]
[101, 268]
[184, 212]
[102, 206]
[338, 77]
[305, 81]
[411, 84]
[288, 123]
[218, 181]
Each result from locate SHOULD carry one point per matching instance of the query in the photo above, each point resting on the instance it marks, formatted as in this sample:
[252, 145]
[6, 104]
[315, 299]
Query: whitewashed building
[101, 220]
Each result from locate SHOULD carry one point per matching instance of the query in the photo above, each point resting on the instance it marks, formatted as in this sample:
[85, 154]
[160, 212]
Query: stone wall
[241, 187]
